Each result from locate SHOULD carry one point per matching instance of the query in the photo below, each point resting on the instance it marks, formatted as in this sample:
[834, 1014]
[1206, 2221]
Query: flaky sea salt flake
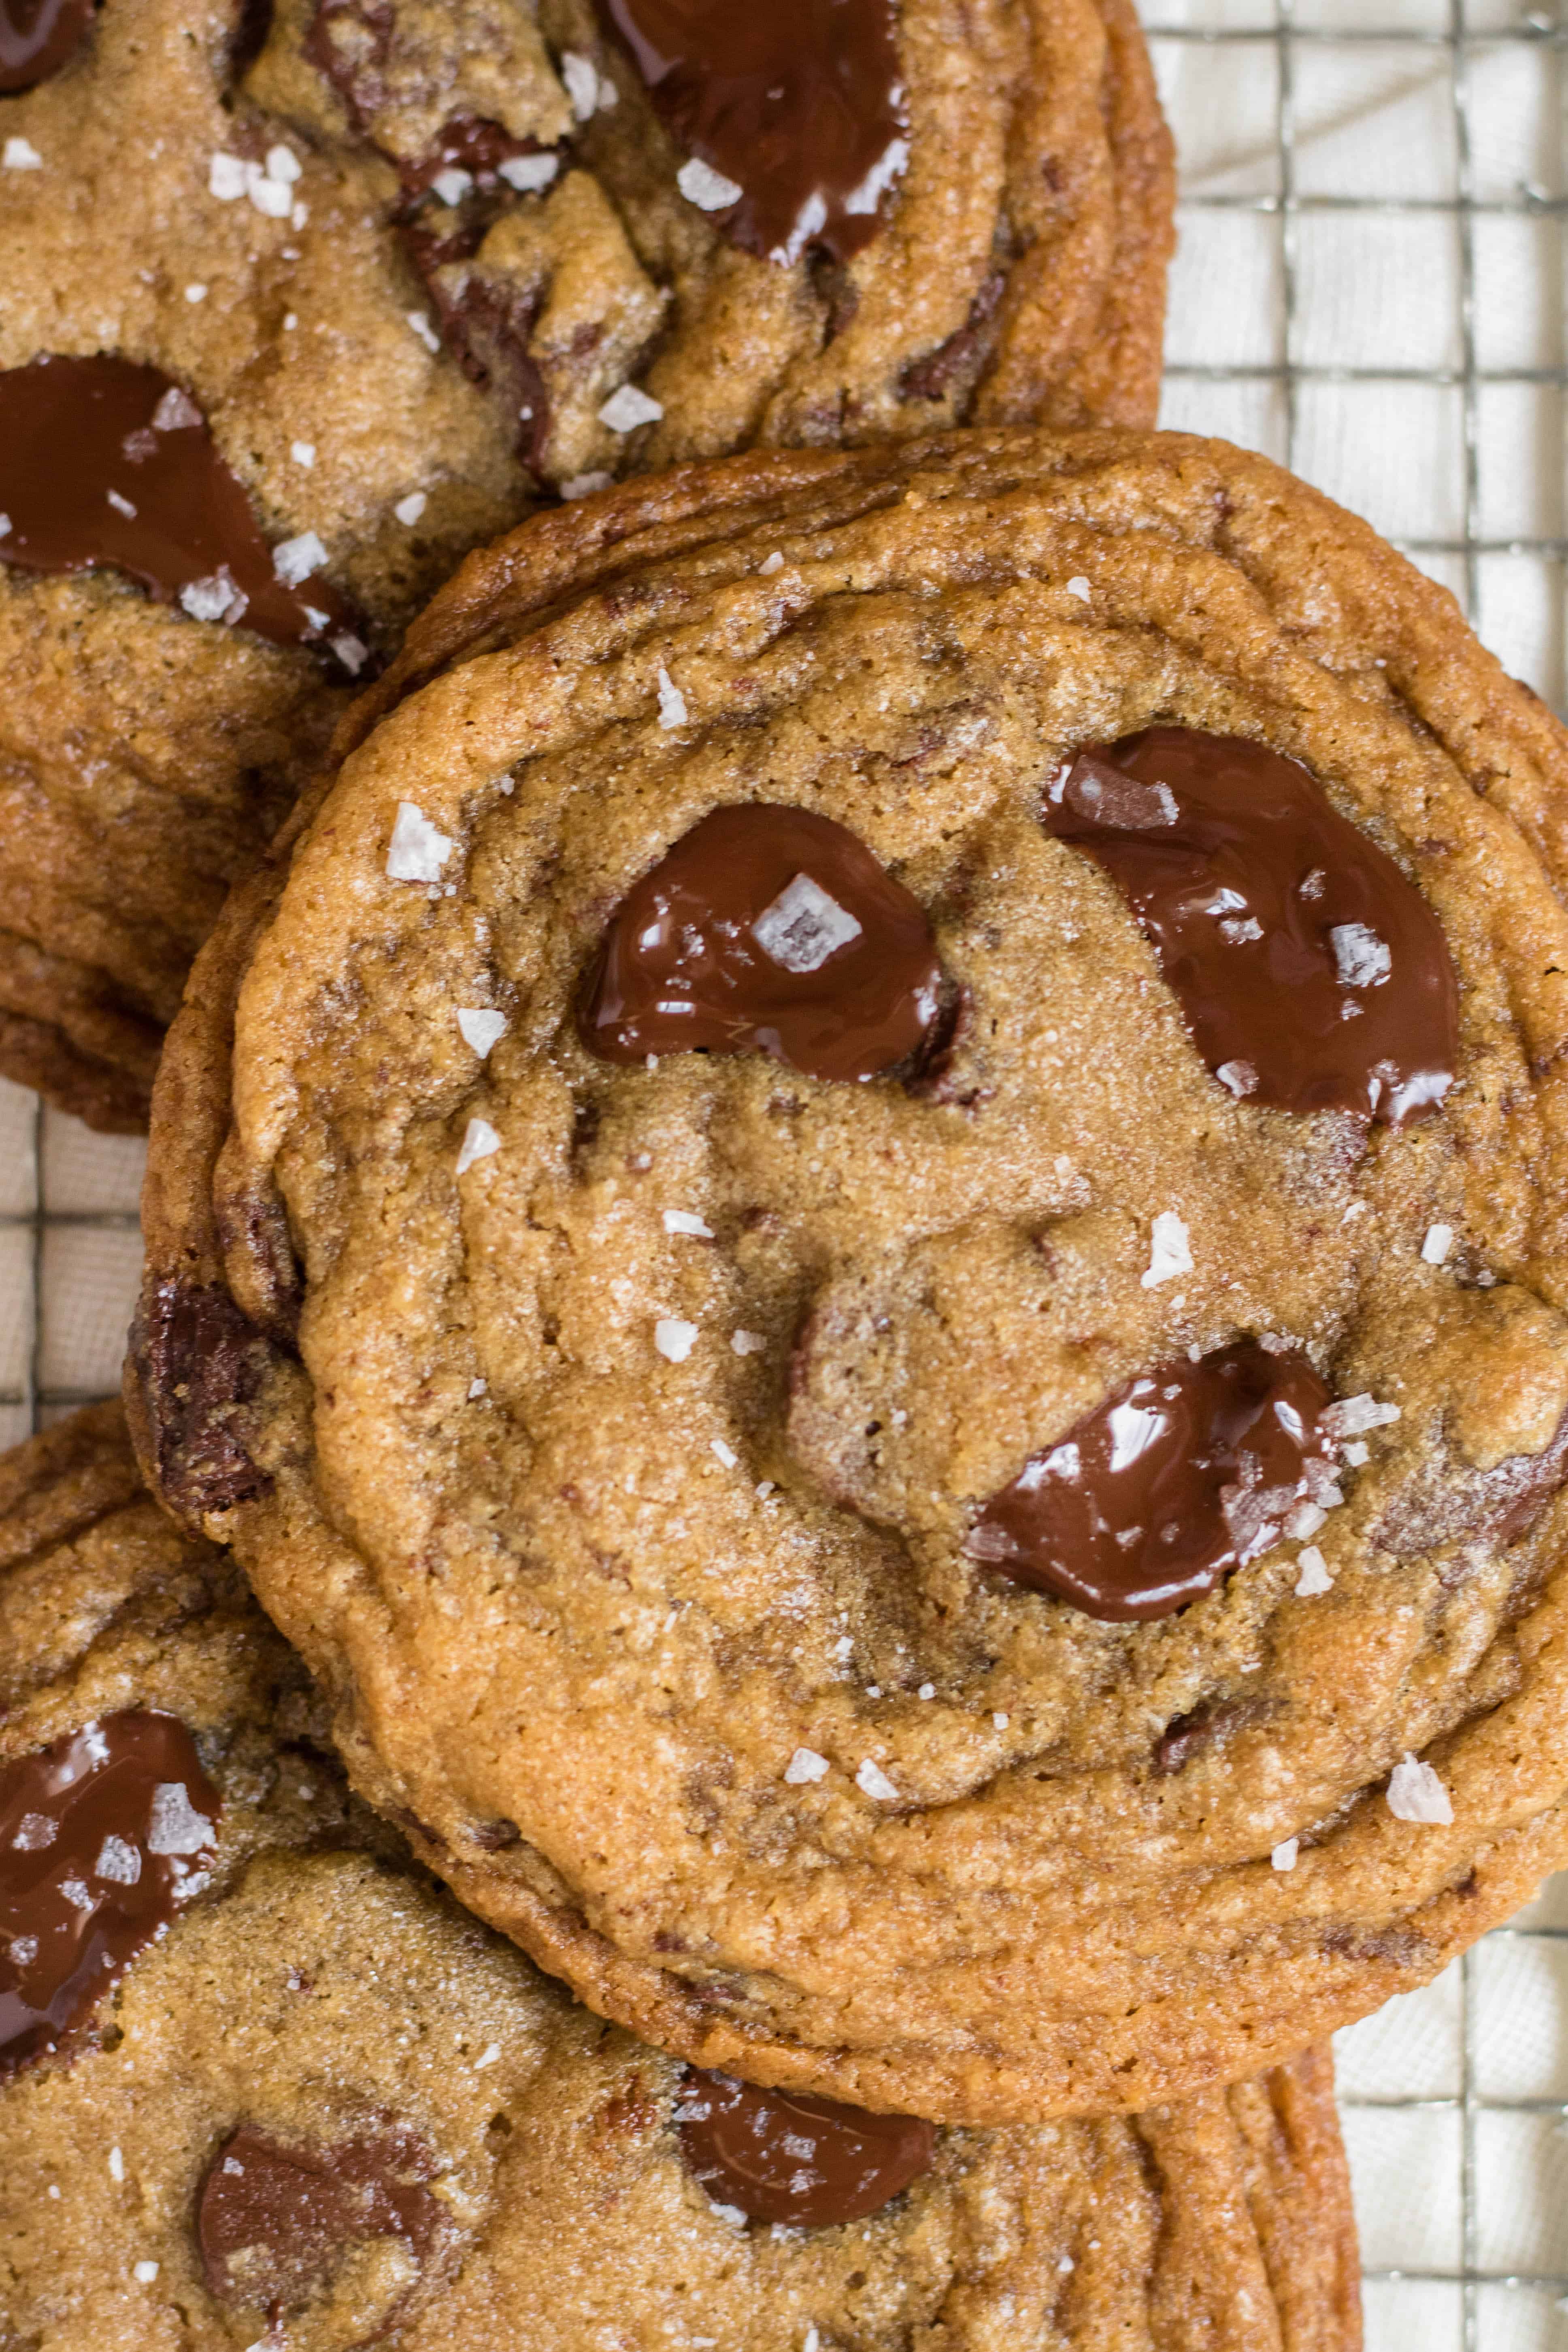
[672, 710]
[875, 1783]
[295, 559]
[1439, 1241]
[353, 653]
[583, 486]
[175, 1826]
[119, 1862]
[452, 184]
[304, 453]
[1283, 1856]
[724, 1454]
[747, 1343]
[487, 2056]
[418, 850]
[771, 563]
[528, 174]
[480, 1029]
[420, 322]
[176, 412]
[804, 1765]
[409, 509]
[1239, 1077]
[480, 1141]
[709, 190]
[216, 598]
[581, 77]
[685, 1221]
[1169, 1250]
[195, 291]
[1352, 1415]
[1361, 958]
[144, 2272]
[1078, 586]
[1314, 1577]
[803, 927]
[626, 409]
[1417, 1794]
[20, 156]
[674, 1339]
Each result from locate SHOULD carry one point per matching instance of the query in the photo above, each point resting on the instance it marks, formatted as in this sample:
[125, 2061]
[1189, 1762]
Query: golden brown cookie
[408, 267]
[314, 2102]
[1019, 1574]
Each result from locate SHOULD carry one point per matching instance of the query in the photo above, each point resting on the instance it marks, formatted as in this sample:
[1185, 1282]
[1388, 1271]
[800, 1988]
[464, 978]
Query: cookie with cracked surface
[332, 290]
[309, 2101]
[888, 1197]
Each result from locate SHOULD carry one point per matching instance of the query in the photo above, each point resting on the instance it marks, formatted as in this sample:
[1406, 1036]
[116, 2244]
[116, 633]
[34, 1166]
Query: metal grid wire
[1455, 2098]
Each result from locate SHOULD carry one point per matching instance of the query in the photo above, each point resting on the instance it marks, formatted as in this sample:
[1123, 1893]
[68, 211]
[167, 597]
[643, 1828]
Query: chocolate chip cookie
[876, 1264]
[261, 2080]
[305, 300]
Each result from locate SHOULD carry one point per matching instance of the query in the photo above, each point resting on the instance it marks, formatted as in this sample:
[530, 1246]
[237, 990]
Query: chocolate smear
[785, 2156]
[102, 1836]
[1312, 975]
[770, 926]
[799, 108]
[1186, 1473]
[103, 461]
[37, 37]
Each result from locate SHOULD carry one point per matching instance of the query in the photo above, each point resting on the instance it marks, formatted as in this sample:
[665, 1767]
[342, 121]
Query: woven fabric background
[1370, 287]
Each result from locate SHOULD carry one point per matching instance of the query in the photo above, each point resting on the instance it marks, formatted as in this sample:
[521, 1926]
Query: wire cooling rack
[1370, 289]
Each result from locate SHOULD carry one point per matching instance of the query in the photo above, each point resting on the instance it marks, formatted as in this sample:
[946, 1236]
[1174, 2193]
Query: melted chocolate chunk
[782, 2155]
[770, 926]
[199, 1362]
[1311, 974]
[37, 37]
[102, 1836]
[273, 2223]
[1186, 1472]
[801, 107]
[106, 462]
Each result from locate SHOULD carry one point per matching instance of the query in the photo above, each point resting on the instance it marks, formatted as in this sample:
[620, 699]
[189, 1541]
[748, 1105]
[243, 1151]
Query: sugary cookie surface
[375, 277]
[1014, 1572]
[318, 2106]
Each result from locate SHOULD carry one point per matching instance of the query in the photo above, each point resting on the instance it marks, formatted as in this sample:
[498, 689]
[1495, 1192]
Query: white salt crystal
[803, 927]
[529, 174]
[1314, 1577]
[1361, 958]
[1169, 1252]
[420, 322]
[479, 1142]
[409, 509]
[294, 560]
[1078, 587]
[706, 188]
[684, 1221]
[1239, 1077]
[725, 1453]
[226, 178]
[583, 486]
[581, 77]
[804, 1765]
[876, 1784]
[176, 412]
[1439, 1241]
[626, 409]
[1415, 1793]
[672, 712]
[418, 850]
[302, 452]
[674, 1339]
[118, 1862]
[747, 1343]
[482, 1030]
[452, 184]
[1284, 1855]
[175, 1826]
[1353, 1414]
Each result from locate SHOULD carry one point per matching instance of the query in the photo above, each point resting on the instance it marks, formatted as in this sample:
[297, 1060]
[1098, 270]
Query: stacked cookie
[855, 1222]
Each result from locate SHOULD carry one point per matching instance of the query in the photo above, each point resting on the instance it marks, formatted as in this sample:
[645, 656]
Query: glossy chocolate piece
[1311, 974]
[771, 927]
[783, 2156]
[103, 461]
[37, 37]
[1186, 1473]
[102, 1836]
[273, 2223]
[798, 103]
